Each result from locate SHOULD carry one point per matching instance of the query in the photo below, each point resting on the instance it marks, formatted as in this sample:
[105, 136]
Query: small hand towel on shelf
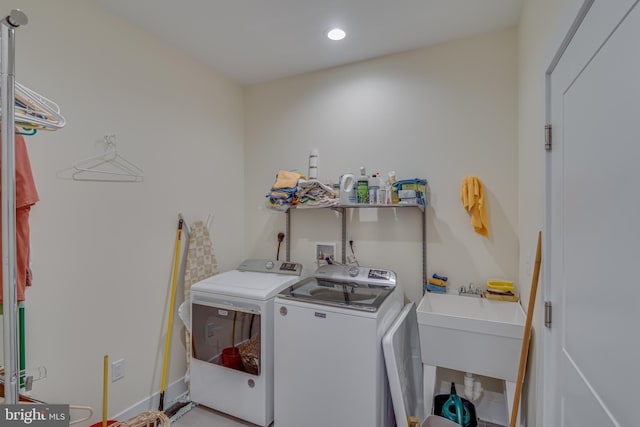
[437, 282]
[436, 288]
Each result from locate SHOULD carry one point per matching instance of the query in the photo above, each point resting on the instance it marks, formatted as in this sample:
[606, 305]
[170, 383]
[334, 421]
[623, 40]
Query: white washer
[328, 361]
[235, 309]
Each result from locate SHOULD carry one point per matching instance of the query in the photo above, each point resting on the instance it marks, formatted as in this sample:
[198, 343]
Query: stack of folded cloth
[501, 287]
[284, 189]
[314, 194]
[437, 284]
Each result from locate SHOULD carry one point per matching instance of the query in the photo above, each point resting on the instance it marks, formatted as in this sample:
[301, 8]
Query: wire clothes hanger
[109, 166]
[35, 111]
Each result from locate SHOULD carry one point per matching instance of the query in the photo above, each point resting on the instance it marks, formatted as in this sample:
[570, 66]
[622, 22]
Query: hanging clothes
[201, 263]
[26, 197]
[472, 196]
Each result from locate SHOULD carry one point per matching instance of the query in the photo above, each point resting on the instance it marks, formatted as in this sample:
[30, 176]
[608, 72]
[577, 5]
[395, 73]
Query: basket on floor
[145, 419]
[250, 354]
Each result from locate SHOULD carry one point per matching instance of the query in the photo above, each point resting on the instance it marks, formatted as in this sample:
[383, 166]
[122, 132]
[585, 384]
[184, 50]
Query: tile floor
[201, 416]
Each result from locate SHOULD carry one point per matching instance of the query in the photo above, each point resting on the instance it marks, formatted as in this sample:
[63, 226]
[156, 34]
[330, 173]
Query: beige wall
[441, 112]
[543, 25]
[102, 252]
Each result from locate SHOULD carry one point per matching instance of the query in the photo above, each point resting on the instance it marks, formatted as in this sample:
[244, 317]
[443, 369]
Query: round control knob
[269, 265]
[354, 271]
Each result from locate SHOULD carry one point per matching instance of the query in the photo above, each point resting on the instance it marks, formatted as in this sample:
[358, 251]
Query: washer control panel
[356, 274]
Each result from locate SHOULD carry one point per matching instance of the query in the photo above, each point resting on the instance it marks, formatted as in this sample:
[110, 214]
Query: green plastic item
[454, 410]
[21, 339]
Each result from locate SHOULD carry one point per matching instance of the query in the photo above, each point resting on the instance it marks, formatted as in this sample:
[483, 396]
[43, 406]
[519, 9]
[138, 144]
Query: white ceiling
[252, 41]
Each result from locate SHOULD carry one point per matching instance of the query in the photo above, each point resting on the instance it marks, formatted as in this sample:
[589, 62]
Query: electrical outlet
[117, 370]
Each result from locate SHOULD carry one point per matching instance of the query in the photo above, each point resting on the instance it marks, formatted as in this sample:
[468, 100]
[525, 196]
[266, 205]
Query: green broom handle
[21, 337]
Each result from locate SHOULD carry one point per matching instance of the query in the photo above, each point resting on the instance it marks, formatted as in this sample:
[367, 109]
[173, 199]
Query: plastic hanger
[110, 166]
[26, 131]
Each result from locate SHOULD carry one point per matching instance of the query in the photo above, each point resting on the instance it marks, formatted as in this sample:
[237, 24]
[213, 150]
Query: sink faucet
[471, 291]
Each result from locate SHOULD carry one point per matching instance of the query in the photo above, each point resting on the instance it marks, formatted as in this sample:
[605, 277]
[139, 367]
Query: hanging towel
[472, 195]
[201, 263]
[26, 197]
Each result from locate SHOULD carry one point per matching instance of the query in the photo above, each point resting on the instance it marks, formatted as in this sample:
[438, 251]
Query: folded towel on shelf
[437, 282]
[436, 288]
[281, 199]
[286, 179]
[312, 193]
[435, 276]
[284, 189]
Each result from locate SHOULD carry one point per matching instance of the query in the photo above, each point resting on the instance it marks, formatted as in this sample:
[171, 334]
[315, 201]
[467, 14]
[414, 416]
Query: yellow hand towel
[437, 282]
[472, 196]
[286, 179]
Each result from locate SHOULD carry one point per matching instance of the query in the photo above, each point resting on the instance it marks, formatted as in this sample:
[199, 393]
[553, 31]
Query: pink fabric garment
[26, 196]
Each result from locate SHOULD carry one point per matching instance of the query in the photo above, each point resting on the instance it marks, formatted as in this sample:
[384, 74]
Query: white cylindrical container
[313, 164]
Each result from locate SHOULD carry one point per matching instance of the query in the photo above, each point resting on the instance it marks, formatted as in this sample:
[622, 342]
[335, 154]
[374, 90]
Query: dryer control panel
[271, 266]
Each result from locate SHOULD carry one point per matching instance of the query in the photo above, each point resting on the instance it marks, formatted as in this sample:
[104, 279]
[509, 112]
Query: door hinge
[547, 314]
[547, 137]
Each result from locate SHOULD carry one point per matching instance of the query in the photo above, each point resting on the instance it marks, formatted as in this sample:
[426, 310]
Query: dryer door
[227, 336]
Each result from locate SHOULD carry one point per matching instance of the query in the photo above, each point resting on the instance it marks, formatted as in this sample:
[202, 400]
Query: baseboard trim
[176, 390]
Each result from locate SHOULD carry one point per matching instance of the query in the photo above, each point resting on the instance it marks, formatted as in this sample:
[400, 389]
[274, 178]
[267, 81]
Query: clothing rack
[8, 25]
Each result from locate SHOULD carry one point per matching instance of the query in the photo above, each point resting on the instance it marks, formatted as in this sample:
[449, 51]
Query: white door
[592, 235]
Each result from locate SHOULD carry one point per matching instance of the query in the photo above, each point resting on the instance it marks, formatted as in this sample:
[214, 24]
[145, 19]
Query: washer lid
[403, 360]
[345, 294]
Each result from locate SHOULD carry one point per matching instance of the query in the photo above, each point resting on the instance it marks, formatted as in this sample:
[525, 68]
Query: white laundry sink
[471, 334]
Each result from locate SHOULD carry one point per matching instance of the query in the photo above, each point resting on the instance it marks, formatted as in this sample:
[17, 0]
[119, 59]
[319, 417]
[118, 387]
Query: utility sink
[471, 334]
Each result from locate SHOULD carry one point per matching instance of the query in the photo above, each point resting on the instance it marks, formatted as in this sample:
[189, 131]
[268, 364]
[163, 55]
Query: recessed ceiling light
[336, 34]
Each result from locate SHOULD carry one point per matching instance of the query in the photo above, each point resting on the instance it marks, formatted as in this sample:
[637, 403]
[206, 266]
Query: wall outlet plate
[117, 370]
[325, 253]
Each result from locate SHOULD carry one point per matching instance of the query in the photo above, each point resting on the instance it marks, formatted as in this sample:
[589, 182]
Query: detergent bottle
[348, 189]
[363, 186]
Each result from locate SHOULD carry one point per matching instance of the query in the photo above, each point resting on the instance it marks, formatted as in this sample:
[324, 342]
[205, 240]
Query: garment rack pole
[7, 139]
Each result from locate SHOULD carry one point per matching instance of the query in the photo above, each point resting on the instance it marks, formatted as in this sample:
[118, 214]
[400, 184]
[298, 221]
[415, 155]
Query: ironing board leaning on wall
[201, 264]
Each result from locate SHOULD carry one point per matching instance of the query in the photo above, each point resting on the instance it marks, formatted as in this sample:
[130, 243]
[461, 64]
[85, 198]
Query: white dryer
[232, 338]
[329, 366]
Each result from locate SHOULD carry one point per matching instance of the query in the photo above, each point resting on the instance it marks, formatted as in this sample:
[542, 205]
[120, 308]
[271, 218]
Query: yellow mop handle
[170, 321]
[105, 390]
